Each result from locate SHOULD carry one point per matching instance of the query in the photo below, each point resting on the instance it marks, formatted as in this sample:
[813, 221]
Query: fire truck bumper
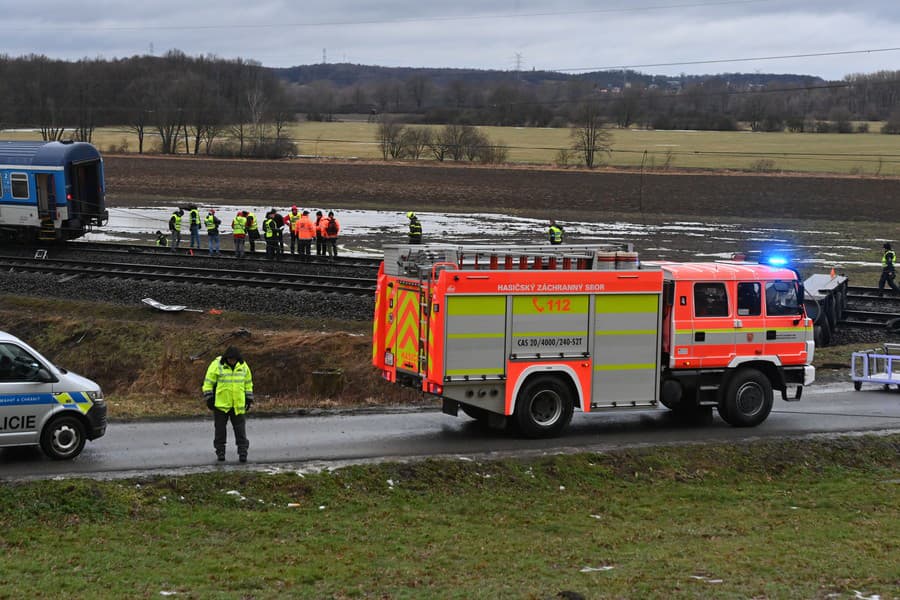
[797, 377]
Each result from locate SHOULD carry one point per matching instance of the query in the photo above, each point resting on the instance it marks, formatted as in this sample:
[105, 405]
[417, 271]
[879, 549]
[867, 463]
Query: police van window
[749, 300]
[16, 364]
[710, 300]
[19, 184]
[782, 298]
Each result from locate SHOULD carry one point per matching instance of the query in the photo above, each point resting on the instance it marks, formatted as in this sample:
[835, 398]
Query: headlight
[96, 397]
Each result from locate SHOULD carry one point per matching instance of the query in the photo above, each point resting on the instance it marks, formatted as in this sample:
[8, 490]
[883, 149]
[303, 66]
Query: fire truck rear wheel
[544, 407]
[748, 399]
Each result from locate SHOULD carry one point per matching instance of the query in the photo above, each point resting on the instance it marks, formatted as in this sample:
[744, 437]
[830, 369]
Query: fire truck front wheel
[544, 407]
[748, 399]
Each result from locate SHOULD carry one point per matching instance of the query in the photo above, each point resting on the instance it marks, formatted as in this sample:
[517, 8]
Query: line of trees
[189, 104]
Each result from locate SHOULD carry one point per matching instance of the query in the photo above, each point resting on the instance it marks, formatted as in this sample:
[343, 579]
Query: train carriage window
[710, 300]
[749, 299]
[19, 184]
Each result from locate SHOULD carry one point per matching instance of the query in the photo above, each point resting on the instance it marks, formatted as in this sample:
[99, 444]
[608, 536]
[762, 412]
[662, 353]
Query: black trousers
[887, 279]
[238, 423]
[320, 246]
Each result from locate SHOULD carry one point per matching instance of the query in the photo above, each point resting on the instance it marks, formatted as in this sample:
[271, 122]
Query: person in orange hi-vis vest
[330, 228]
[305, 232]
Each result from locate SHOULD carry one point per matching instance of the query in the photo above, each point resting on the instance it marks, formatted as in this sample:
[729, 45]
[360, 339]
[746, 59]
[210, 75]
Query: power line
[633, 9]
[727, 60]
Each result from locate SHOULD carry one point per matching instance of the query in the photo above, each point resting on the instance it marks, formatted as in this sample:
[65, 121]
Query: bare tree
[389, 136]
[416, 140]
[589, 139]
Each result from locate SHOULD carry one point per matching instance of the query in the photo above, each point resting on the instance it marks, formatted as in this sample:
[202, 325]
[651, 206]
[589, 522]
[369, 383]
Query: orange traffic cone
[832, 273]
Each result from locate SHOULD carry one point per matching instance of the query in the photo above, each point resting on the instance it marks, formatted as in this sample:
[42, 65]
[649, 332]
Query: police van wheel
[543, 408]
[748, 399]
[63, 438]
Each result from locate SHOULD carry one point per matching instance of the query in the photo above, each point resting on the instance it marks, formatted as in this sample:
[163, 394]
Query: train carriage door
[749, 323]
[713, 324]
[46, 195]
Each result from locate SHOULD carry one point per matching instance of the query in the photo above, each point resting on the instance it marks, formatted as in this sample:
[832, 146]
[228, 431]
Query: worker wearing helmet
[291, 221]
[887, 270]
[555, 233]
[415, 228]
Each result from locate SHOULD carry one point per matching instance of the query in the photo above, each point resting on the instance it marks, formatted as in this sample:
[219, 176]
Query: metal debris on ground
[168, 307]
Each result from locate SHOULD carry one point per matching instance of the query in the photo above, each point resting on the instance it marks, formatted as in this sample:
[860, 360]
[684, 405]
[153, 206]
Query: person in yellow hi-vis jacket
[228, 390]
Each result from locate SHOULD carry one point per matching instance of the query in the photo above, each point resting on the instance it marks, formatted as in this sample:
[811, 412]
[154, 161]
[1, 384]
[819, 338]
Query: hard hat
[410, 215]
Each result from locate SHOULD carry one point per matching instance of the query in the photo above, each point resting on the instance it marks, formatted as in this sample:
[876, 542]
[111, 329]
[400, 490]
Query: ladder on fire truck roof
[418, 260]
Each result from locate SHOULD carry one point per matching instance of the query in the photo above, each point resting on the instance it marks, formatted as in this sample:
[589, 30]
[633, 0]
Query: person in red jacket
[330, 228]
[305, 232]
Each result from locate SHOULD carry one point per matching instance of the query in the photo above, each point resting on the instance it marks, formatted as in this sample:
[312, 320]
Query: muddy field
[524, 191]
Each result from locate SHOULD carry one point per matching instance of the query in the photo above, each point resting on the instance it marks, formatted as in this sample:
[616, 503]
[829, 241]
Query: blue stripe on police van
[26, 399]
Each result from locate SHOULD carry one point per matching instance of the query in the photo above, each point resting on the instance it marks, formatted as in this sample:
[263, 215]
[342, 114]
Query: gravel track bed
[130, 292]
[227, 263]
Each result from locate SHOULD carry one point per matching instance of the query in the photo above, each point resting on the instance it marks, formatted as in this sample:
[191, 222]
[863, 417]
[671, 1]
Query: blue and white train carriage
[50, 190]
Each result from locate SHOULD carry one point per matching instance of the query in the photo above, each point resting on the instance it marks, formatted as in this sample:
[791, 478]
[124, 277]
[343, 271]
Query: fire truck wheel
[748, 399]
[543, 408]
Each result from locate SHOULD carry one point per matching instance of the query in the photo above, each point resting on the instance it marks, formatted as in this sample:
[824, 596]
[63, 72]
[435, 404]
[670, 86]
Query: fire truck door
[406, 320]
[626, 349]
[713, 325]
[475, 336]
[785, 330]
[749, 322]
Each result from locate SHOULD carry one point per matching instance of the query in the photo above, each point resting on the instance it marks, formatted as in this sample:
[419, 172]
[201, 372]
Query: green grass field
[789, 519]
[845, 154]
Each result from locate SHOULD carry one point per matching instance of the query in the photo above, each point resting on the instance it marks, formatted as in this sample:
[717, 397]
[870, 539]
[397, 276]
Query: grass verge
[788, 519]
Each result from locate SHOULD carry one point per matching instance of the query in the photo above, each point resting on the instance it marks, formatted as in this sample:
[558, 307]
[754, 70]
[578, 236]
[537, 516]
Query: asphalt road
[175, 447]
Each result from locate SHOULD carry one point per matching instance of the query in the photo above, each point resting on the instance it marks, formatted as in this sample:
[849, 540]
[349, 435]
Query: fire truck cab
[528, 334]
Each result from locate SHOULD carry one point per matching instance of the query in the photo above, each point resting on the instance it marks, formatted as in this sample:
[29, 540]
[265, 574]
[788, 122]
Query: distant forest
[206, 104]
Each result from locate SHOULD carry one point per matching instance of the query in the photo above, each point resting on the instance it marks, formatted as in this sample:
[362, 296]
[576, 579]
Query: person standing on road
[305, 232]
[228, 391]
[888, 274]
[320, 234]
[212, 232]
[175, 228]
[239, 227]
[291, 221]
[415, 228]
[331, 227]
[252, 230]
[555, 233]
[194, 226]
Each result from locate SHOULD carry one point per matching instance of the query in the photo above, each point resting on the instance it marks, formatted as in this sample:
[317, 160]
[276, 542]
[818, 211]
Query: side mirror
[44, 376]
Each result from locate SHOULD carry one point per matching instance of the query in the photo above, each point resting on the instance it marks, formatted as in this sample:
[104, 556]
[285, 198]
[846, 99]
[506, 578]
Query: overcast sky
[567, 35]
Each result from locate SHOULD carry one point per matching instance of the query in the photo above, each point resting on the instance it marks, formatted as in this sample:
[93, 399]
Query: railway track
[142, 249]
[69, 269]
[866, 309]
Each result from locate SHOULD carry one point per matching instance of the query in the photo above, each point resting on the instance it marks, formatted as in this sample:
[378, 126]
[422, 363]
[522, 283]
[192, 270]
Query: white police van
[43, 404]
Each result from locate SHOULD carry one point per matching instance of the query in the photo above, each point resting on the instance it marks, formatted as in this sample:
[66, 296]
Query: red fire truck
[531, 333]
